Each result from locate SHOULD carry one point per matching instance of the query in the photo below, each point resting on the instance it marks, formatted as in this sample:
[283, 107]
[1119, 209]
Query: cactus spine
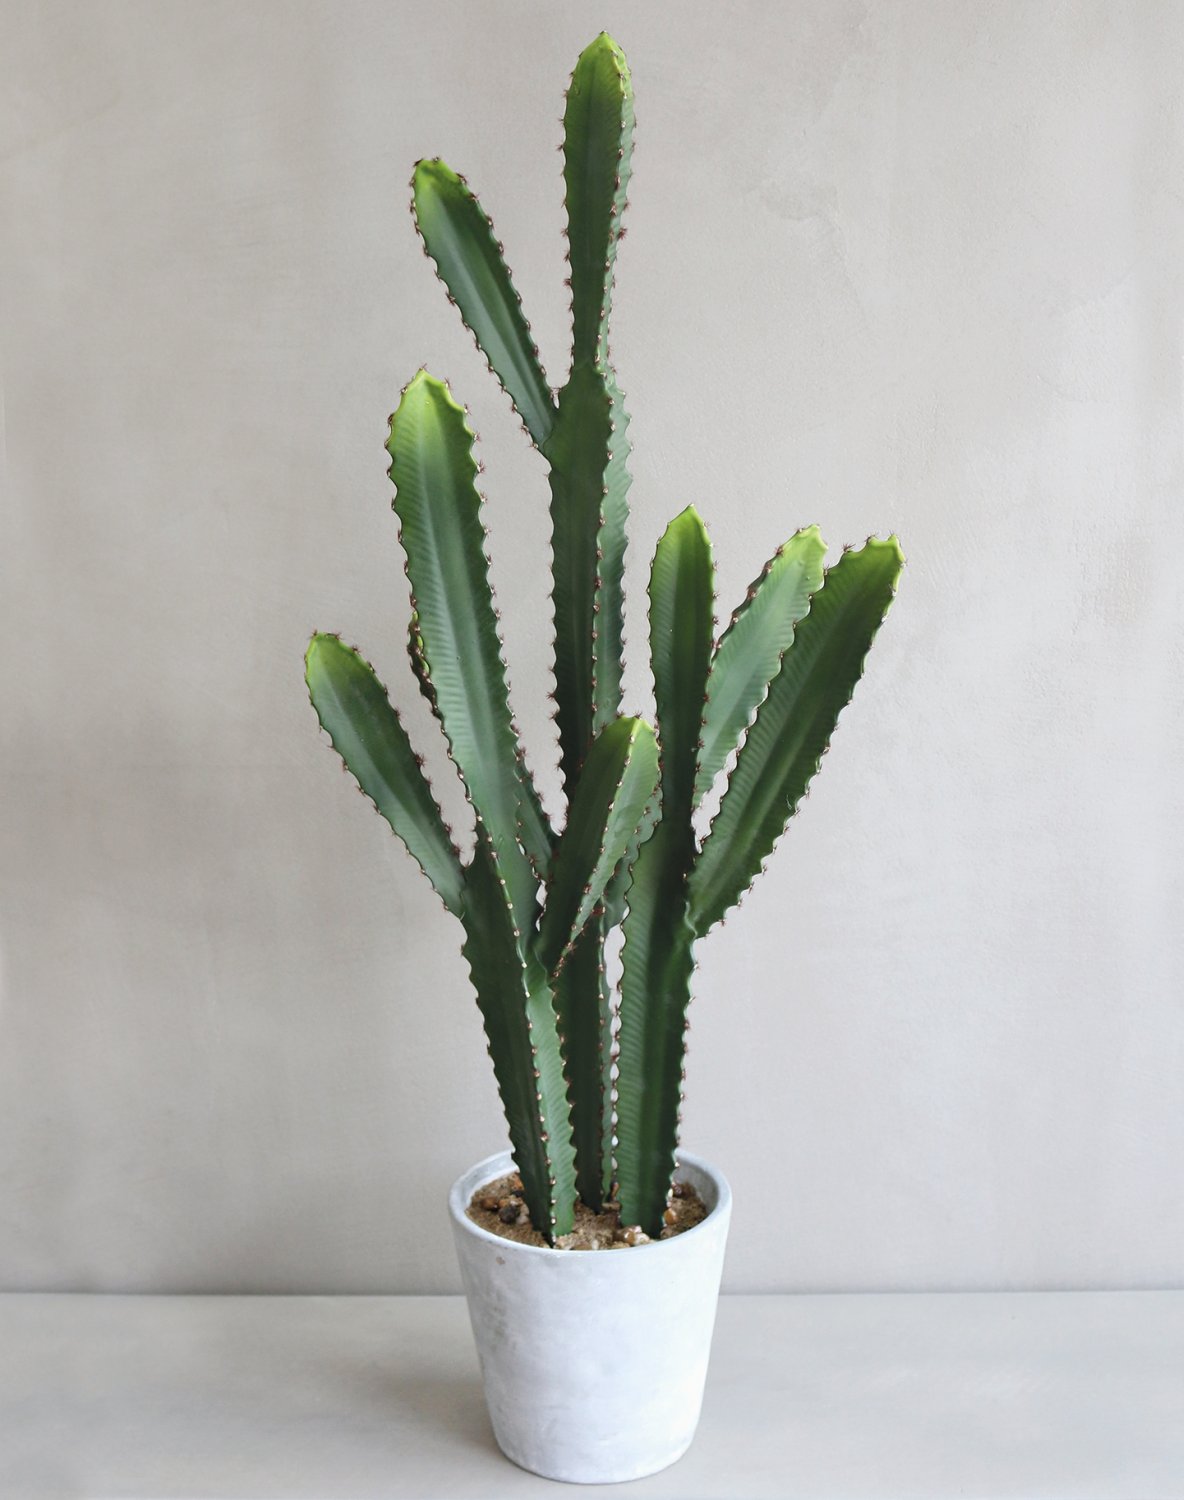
[536, 905]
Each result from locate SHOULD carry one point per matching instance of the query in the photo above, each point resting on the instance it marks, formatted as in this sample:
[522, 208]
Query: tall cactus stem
[593, 1089]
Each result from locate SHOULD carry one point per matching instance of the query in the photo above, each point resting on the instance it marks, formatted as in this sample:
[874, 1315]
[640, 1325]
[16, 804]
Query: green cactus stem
[750, 650]
[657, 961]
[521, 1028]
[584, 441]
[784, 748]
[579, 452]
[458, 235]
[616, 786]
[439, 509]
[615, 790]
[584, 1007]
[367, 733]
[537, 907]
[597, 160]
[589, 448]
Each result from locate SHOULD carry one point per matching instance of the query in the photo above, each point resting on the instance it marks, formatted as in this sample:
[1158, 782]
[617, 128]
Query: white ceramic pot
[593, 1360]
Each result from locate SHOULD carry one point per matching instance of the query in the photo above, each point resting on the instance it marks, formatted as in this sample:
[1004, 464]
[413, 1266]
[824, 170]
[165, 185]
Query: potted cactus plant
[591, 1081]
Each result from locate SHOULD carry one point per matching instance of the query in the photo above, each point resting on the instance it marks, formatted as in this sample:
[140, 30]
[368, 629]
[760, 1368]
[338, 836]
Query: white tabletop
[1067, 1395]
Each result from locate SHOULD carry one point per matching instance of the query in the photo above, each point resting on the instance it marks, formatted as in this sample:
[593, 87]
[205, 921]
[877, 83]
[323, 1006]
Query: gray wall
[889, 266]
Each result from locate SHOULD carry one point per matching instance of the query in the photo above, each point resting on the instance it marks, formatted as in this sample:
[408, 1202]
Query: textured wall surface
[889, 266]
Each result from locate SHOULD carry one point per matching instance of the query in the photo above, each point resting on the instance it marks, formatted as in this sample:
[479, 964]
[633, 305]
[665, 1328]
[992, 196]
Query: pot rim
[497, 1164]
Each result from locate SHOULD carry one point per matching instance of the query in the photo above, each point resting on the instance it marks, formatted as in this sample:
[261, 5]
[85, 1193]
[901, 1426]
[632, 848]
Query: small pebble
[516, 1183]
[592, 1230]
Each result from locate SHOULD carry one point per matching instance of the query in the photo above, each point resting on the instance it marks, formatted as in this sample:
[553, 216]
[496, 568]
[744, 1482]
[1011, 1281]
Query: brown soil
[498, 1207]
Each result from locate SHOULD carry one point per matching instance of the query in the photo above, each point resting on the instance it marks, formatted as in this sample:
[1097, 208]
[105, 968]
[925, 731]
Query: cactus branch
[617, 783]
[579, 452]
[658, 959]
[617, 891]
[439, 509]
[583, 1004]
[367, 733]
[458, 235]
[597, 153]
[793, 726]
[609, 640]
[657, 962]
[750, 650]
[524, 1044]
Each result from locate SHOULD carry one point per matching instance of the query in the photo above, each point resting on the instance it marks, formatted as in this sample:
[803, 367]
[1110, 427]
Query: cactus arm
[616, 784]
[793, 726]
[366, 732]
[534, 830]
[750, 650]
[579, 453]
[681, 606]
[657, 962]
[439, 510]
[584, 977]
[584, 1007]
[597, 155]
[523, 1035]
[588, 448]
[657, 958]
[615, 788]
[459, 237]
[617, 891]
[608, 640]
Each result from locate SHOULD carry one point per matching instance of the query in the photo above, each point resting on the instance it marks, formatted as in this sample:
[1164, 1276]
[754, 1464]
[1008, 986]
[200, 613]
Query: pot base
[577, 1476]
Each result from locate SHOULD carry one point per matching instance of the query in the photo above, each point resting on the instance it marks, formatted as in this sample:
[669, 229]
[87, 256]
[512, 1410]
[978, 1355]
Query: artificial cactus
[536, 904]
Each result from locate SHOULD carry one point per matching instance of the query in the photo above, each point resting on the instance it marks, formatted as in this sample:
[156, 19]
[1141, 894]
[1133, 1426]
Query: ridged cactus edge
[591, 1082]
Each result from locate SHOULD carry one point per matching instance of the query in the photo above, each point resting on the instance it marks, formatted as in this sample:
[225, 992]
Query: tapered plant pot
[593, 1361]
